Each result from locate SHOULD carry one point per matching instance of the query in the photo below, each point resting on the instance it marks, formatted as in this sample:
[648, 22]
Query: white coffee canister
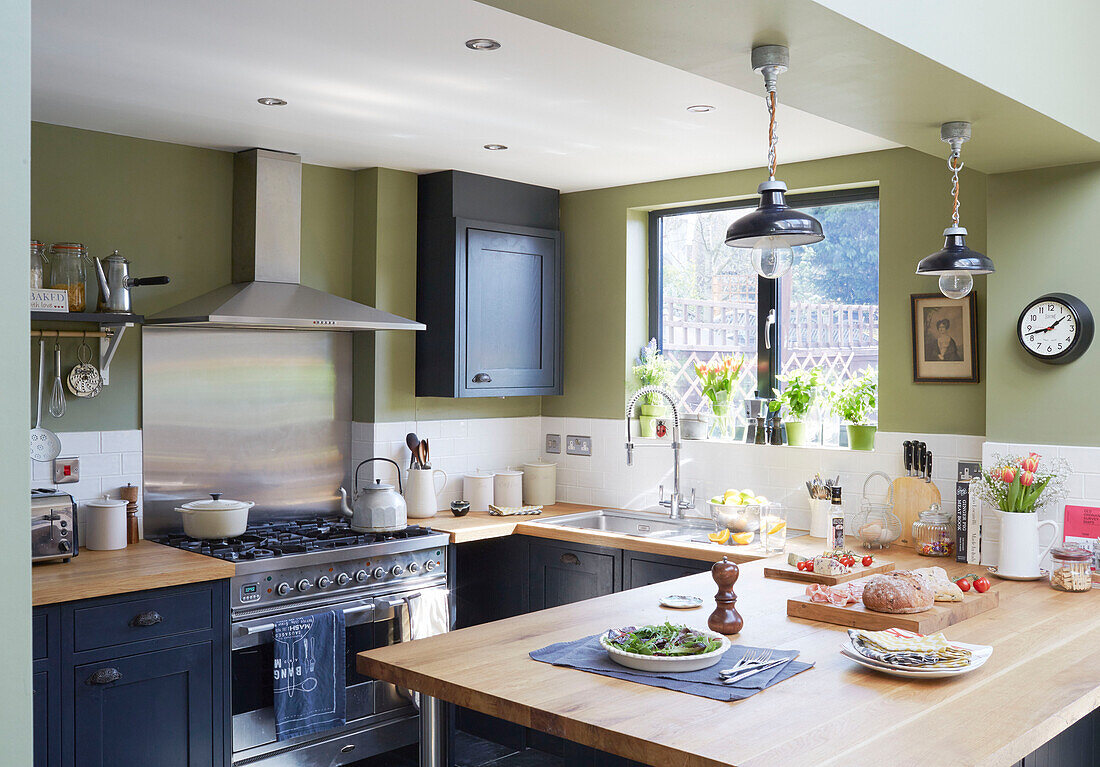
[477, 488]
[103, 524]
[540, 483]
[508, 488]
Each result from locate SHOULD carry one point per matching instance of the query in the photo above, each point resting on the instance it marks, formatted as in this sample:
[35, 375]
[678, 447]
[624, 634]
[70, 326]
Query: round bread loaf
[901, 591]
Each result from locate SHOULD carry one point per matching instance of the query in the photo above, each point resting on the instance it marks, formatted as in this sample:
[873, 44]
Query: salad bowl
[667, 663]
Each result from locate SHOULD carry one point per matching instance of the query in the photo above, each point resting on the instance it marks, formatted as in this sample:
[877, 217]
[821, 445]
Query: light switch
[553, 443]
[66, 470]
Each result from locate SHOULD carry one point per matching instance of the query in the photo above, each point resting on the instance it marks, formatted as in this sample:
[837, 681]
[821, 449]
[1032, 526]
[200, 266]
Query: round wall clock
[1055, 328]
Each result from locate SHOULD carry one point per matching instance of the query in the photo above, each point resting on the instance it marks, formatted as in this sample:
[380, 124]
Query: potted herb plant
[718, 378]
[800, 390]
[1018, 487]
[651, 369]
[853, 401]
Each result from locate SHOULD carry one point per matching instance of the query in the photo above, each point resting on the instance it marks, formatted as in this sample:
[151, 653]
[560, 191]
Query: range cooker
[290, 568]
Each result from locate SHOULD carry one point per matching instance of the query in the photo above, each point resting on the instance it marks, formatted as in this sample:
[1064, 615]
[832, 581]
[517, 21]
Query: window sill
[684, 442]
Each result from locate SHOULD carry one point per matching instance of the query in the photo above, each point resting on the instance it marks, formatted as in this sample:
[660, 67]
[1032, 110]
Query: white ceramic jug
[1019, 551]
[421, 492]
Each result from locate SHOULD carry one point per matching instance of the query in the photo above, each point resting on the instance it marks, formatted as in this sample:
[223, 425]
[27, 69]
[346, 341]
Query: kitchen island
[1043, 677]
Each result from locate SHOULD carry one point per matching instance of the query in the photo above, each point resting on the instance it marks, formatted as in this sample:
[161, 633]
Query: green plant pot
[861, 436]
[797, 433]
[647, 419]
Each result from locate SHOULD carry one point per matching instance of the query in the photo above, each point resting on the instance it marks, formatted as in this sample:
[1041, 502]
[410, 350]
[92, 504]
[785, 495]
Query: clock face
[1055, 328]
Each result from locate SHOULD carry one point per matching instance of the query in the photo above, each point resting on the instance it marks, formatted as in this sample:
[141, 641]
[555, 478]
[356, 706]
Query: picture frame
[945, 338]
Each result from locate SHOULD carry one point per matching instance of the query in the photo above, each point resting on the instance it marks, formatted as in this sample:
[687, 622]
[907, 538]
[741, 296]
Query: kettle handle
[388, 460]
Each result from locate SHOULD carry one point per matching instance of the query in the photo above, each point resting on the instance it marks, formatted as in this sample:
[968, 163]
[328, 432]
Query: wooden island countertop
[139, 566]
[1043, 676]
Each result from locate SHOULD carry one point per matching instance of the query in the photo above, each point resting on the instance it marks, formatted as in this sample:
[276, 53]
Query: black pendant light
[774, 227]
[955, 264]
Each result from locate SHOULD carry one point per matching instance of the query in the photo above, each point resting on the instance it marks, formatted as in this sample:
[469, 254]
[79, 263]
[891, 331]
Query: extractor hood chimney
[266, 292]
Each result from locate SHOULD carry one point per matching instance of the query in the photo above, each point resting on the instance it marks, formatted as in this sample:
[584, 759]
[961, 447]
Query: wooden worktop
[139, 566]
[479, 525]
[1043, 676]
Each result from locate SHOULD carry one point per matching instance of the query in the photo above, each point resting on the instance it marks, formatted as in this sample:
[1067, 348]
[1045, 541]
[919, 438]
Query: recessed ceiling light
[700, 108]
[482, 44]
[494, 147]
[268, 101]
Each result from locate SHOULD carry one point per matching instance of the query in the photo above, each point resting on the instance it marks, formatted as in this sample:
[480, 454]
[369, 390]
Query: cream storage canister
[103, 525]
[540, 483]
[477, 488]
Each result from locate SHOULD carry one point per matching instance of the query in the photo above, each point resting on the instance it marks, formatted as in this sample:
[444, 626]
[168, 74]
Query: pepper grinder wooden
[130, 494]
[725, 619]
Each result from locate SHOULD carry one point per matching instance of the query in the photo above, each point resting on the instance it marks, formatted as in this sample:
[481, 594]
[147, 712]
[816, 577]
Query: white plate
[979, 655]
[663, 665]
[681, 601]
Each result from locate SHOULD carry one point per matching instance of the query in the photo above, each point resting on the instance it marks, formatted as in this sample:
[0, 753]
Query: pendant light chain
[955, 163]
[773, 134]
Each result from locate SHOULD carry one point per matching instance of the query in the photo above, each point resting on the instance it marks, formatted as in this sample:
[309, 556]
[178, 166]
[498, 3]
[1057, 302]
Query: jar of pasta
[933, 533]
[68, 272]
[1071, 569]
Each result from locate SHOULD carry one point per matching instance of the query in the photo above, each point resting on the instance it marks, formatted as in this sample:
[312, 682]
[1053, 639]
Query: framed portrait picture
[945, 339]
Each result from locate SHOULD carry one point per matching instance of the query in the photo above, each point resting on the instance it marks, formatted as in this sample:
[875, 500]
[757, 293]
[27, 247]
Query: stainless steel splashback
[258, 415]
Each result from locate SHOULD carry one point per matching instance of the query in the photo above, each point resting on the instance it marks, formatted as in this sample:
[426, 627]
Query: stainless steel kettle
[113, 275]
[376, 508]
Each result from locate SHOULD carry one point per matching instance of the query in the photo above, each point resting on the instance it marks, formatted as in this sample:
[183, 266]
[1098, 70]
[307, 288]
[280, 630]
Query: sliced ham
[841, 595]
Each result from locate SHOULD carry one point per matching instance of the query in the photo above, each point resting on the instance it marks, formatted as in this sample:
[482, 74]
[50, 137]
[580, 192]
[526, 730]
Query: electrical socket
[577, 445]
[553, 443]
[969, 470]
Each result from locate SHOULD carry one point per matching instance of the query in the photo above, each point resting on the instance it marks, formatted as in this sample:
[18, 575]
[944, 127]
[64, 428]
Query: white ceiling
[387, 83]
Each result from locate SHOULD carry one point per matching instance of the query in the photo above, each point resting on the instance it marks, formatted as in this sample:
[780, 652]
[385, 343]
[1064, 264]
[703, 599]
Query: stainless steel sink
[640, 524]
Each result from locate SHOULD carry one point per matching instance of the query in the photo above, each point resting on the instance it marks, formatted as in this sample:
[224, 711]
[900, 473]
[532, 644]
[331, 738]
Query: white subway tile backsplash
[120, 441]
[101, 464]
[81, 443]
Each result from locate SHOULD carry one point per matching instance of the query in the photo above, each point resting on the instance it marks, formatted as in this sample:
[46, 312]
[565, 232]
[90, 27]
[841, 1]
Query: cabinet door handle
[570, 559]
[150, 618]
[483, 378]
[104, 676]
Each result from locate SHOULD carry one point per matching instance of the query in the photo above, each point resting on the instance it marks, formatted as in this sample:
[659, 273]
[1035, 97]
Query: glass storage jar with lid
[1071, 569]
[39, 264]
[933, 533]
[69, 272]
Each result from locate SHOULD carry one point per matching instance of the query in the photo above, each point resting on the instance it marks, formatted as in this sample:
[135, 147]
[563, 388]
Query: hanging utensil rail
[109, 339]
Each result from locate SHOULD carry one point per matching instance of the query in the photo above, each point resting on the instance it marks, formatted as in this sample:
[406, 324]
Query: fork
[748, 660]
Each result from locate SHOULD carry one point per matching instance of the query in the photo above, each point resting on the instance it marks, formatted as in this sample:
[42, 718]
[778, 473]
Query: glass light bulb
[956, 284]
[772, 257]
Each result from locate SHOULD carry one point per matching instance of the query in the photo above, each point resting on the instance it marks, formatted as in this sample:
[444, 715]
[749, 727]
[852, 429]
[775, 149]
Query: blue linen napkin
[589, 655]
[309, 674]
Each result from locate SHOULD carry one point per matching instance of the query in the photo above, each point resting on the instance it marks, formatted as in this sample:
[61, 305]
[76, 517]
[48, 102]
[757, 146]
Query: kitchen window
[705, 300]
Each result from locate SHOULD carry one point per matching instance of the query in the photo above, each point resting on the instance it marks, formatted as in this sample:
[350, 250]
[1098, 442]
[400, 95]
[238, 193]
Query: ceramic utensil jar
[540, 484]
[508, 488]
[103, 524]
[422, 492]
[477, 488]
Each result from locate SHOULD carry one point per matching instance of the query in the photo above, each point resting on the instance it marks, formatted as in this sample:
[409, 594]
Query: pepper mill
[725, 619]
[130, 495]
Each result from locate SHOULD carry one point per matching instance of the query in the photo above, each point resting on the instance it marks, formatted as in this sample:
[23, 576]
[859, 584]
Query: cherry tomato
[981, 585]
[963, 584]
[809, 567]
[868, 560]
[801, 565]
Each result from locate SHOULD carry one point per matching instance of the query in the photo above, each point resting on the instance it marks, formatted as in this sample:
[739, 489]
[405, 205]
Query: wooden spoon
[413, 443]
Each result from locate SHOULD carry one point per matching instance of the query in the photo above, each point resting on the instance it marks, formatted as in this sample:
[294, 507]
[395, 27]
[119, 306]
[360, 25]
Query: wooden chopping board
[788, 573]
[912, 495]
[939, 617]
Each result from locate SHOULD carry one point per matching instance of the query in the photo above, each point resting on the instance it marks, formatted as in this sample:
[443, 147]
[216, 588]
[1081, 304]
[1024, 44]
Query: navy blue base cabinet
[134, 679]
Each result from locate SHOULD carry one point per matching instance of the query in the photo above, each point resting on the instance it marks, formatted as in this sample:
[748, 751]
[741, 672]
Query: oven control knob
[378, 572]
[396, 570]
[414, 567]
[283, 589]
[343, 579]
[303, 585]
[361, 576]
[324, 582]
[430, 565]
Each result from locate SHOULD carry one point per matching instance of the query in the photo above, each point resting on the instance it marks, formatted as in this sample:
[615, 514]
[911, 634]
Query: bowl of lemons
[737, 515]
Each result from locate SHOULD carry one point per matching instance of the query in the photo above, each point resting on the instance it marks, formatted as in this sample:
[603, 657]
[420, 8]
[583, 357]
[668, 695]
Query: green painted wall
[15, 417]
[1041, 239]
[604, 272]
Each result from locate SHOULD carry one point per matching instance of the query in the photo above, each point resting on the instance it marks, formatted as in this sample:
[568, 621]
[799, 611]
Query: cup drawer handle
[104, 676]
[570, 559]
[150, 618]
[483, 378]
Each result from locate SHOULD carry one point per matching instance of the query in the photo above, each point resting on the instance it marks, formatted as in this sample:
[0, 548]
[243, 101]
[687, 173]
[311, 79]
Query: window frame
[767, 290]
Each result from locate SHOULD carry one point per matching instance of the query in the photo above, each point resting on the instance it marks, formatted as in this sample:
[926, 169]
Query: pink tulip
[1027, 478]
[1030, 464]
[1007, 474]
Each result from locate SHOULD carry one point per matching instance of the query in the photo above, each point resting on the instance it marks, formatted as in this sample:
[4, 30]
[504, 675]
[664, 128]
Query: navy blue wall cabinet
[488, 288]
[113, 686]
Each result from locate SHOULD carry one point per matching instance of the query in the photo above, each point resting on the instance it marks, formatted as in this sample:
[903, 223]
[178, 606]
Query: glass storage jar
[69, 272]
[933, 533]
[39, 264]
[1071, 569]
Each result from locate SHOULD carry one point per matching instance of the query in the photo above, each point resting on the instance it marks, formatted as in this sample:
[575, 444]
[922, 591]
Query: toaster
[54, 532]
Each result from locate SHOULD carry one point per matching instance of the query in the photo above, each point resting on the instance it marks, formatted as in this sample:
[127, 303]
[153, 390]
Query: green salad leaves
[665, 640]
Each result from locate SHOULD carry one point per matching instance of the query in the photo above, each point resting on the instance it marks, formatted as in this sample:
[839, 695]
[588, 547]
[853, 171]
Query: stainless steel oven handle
[250, 630]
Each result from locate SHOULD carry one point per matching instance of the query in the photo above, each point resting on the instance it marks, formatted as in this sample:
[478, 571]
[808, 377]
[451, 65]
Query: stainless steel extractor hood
[266, 291]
